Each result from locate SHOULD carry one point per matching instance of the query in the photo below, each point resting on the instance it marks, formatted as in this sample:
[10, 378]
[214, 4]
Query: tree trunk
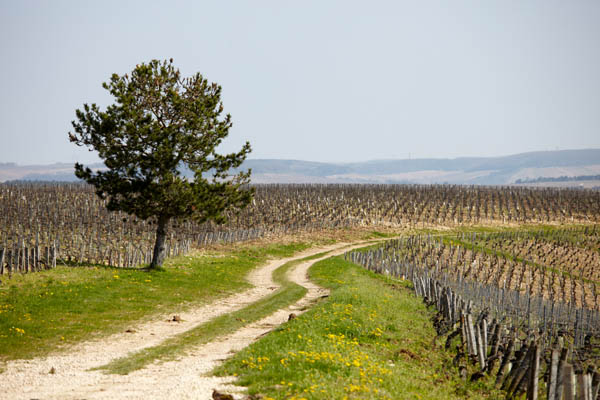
[158, 256]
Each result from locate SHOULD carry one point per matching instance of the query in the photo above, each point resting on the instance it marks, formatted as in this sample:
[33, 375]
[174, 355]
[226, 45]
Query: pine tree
[160, 125]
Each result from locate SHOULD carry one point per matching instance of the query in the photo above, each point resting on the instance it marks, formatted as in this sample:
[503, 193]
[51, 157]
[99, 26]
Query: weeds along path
[71, 376]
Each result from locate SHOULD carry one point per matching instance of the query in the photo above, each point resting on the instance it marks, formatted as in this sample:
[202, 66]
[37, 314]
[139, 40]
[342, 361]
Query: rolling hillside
[465, 170]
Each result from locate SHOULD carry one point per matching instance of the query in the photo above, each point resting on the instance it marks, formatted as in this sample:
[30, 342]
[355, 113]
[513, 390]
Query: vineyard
[533, 294]
[526, 296]
[43, 223]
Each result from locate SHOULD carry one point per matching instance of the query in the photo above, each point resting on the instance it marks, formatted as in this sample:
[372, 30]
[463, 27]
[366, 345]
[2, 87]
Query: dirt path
[181, 379]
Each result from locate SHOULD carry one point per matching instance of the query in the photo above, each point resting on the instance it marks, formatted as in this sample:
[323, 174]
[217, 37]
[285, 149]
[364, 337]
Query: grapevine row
[72, 219]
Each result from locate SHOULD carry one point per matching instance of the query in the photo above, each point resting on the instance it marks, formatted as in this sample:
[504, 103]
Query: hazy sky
[318, 80]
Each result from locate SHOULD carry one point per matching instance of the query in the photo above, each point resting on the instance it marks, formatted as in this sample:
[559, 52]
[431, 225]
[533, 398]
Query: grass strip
[371, 339]
[288, 293]
[46, 311]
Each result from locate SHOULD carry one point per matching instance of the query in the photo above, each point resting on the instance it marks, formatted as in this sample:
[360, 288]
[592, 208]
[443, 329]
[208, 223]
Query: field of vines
[43, 223]
[516, 297]
[529, 299]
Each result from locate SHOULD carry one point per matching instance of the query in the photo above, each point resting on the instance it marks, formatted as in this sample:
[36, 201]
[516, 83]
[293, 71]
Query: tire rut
[181, 379]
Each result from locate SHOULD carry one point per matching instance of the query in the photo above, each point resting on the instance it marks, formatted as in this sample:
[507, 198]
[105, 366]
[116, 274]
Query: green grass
[46, 311]
[372, 339]
[380, 235]
[529, 227]
[170, 349]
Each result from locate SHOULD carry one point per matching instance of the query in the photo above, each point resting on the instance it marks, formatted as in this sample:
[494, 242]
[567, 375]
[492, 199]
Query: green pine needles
[160, 124]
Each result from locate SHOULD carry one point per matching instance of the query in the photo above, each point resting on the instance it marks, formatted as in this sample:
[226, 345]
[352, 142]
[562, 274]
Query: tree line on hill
[563, 178]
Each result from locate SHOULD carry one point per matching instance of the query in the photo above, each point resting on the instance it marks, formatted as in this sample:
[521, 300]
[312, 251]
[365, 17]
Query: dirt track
[181, 379]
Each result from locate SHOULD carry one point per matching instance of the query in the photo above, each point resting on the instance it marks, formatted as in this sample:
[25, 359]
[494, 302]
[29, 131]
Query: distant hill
[465, 170]
[59, 172]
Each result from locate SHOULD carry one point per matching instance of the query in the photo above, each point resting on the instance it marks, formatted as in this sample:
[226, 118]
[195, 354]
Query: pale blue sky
[318, 80]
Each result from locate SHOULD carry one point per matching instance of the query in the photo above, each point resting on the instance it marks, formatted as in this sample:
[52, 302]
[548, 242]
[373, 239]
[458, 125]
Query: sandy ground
[185, 378]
